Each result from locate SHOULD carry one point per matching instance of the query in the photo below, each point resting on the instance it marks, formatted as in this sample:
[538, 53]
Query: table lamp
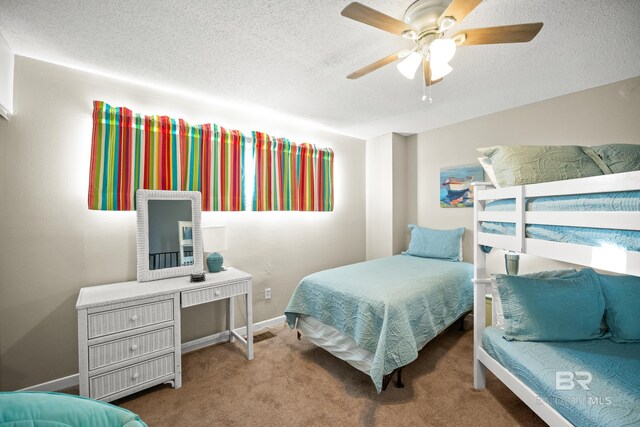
[214, 239]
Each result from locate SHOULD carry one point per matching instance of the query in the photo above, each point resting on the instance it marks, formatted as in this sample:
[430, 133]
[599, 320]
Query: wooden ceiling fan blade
[366, 15]
[427, 74]
[374, 66]
[459, 9]
[520, 33]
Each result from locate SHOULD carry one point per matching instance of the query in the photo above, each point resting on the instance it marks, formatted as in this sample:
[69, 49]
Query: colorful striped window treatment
[290, 176]
[130, 151]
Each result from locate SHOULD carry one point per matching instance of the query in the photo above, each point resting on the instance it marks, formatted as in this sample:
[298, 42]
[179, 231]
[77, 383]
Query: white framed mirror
[169, 236]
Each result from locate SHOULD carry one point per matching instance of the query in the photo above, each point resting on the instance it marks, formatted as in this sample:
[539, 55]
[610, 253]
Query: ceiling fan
[426, 22]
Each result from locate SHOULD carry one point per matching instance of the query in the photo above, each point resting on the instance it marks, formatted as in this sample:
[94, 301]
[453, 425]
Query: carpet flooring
[294, 383]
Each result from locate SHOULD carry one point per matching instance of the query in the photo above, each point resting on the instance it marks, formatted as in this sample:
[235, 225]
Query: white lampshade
[410, 64]
[439, 70]
[442, 50]
[214, 238]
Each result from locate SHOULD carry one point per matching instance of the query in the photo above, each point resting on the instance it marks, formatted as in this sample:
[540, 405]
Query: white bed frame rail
[607, 258]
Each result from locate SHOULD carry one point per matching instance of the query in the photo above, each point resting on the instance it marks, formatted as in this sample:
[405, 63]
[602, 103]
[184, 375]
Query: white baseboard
[220, 337]
[55, 385]
[265, 324]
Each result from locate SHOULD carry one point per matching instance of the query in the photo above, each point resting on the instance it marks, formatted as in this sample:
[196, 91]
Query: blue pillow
[430, 243]
[622, 306]
[537, 275]
[569, 308]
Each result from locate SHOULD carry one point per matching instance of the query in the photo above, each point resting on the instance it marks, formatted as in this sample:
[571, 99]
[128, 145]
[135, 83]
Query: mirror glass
[170, 234]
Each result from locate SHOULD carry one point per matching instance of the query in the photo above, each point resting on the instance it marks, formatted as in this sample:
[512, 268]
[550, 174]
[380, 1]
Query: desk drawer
[131, 376]
[213, 293]
[137, 316]
[128, 348]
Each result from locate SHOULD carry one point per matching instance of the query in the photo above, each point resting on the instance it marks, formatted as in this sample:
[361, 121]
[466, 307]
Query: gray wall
[386, 195]
[53, 245]
[603, 115]
[399, 219]
[379, 156]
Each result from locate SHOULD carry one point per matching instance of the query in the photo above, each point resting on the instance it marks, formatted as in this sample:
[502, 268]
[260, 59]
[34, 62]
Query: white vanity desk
[129, 333]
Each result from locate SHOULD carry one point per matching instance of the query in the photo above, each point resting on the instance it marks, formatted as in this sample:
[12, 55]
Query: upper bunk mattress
[625, 201]
[613, 394]
[389, 306]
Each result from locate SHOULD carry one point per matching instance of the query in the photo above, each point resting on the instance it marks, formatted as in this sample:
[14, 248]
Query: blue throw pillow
[430, 243]
[555, 309]
[622, 306]
[537, 275]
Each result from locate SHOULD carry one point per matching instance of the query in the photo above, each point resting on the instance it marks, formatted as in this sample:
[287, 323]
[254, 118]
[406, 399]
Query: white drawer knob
[217, 293]
[134, 347]
[134, 376]
[134, 317]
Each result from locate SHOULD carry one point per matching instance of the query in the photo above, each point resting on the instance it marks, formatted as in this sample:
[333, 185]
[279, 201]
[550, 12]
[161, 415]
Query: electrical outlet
[267, 293]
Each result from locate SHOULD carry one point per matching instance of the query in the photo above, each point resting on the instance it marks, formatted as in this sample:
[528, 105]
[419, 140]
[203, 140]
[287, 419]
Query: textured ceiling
[293, 55]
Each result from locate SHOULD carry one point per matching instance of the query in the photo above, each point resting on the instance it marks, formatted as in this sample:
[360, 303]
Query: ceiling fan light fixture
[442, 50]
[410, 64]
[427, 23]
[439, 70]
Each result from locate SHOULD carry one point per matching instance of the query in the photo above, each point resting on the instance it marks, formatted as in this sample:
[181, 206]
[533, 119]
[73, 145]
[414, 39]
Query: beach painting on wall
[455, 185]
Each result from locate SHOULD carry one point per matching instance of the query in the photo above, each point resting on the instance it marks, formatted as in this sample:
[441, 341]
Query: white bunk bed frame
[604, 258]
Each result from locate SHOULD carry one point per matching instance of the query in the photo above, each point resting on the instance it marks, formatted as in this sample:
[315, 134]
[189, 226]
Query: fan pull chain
[424, 85]
[424, 81]
[424, 94]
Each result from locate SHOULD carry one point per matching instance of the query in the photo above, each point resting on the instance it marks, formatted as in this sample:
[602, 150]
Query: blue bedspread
[388, 305]
[621, 201]
[628, 201]
[613, 395]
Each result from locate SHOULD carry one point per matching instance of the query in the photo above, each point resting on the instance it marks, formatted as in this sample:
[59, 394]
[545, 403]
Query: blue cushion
[430, 243]
[537, 275]
[40, 409]
[569, 308]
[622, 306]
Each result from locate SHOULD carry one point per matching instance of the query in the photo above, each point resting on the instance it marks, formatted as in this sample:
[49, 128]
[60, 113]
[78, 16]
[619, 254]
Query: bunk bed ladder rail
[480, 279]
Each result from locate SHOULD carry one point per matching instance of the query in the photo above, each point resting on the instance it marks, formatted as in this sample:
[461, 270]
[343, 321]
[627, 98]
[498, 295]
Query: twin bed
[376, 315]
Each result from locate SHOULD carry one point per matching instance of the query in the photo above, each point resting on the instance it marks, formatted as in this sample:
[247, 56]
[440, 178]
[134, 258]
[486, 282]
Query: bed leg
[386, 379]
[479, 378]
[399, 383]
[461, 321]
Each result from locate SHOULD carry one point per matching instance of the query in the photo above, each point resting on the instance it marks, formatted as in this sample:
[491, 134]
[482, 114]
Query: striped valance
[225, 190]
[130, 151]
[290, 176]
